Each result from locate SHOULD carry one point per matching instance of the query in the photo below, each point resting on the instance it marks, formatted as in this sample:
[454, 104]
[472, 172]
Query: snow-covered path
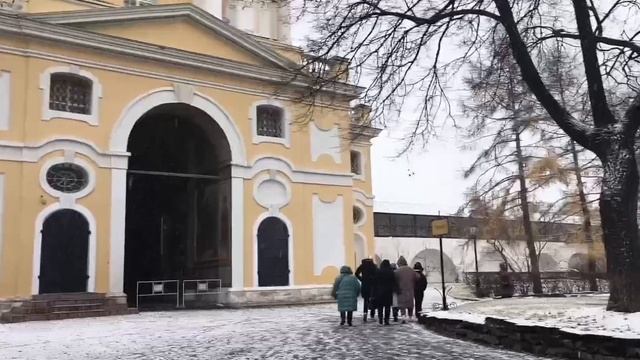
[310, 332]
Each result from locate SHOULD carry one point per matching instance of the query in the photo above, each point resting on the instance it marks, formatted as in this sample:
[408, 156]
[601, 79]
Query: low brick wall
[537, 340]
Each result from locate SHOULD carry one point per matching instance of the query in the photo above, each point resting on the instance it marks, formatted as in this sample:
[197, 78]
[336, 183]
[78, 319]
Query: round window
[67, 177]
[358, 215]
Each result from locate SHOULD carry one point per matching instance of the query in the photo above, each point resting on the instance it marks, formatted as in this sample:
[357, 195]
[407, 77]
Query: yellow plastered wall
[124, 79]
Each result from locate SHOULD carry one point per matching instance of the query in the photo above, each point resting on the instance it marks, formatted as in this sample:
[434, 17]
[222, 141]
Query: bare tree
[401, 48]
[504, 112]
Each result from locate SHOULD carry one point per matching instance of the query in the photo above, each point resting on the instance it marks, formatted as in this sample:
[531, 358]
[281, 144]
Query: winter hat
[345, 269]
[402, 261]
[385, 264]
[418, 266]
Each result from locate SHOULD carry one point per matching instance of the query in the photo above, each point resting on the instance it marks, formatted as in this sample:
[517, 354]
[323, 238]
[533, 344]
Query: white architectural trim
[117, 45]
[5, 100]
[44, 55]
[272, 175]
[364, 242]
[23, 152]
[286, 123]
[195, 13]
[37, 247]
[96, 94]
[2, 220]
[238, 258]
[362, 197]
[325, 142]
[297, 176]
[328, 233]
[167, 95]
[116, 241]
[118, 144]
[70, 158]
[364, 219]
[256, 225]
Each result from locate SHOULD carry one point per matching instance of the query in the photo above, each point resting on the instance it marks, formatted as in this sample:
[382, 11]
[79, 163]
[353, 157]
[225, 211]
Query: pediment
[182, 27]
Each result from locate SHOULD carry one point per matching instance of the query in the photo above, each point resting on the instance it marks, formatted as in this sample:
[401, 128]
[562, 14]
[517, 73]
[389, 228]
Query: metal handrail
[203, 287]
[158, 289]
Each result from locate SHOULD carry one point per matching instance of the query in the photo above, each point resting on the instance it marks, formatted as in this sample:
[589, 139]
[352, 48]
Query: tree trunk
[618, 207]
[534, 270]
[586, 220]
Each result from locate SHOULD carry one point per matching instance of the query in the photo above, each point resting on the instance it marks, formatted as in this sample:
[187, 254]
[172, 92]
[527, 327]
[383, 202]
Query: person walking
[406, 279]
[385, 286]
[421, 286]
[366, 273]
[345, 291]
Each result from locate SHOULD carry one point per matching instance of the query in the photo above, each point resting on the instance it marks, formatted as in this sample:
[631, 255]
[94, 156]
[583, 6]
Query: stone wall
[538, 340]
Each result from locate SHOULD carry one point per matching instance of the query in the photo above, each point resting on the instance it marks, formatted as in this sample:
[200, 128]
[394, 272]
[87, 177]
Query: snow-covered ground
[585, 314]
[305, 332]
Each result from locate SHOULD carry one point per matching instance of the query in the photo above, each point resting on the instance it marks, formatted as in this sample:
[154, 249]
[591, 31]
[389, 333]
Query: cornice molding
[20, 25]
[133, 13]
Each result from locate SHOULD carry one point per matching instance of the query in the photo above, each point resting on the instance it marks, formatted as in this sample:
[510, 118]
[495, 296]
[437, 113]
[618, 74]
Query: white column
[2, 214]
[237, 232]
[5, 99]
[118, 216]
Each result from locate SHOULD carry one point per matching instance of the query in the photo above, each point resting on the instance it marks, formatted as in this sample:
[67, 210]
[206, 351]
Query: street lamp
[473, 232]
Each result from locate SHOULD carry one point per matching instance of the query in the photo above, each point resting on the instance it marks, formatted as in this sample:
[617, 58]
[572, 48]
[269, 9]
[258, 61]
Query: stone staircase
[62, 306]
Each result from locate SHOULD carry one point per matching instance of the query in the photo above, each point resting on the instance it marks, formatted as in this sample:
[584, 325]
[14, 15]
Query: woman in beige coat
[406, 279]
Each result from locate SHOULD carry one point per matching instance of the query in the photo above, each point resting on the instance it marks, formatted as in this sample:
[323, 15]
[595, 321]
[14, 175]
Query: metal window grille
[356, 165]
[270, 120]
[70, 93]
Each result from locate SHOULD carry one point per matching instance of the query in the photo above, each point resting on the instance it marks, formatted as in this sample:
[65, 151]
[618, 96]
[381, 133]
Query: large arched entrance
[64, 253]
[273, 253]
[430, 259]
[178, 216]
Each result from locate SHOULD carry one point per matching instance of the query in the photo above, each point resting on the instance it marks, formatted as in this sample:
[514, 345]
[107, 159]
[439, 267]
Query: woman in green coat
[346, 289]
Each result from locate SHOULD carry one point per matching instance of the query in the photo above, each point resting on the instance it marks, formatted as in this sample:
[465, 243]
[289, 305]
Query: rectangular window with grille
[270, 121]
[70, 93]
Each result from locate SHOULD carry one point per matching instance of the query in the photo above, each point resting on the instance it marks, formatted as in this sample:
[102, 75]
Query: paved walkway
[310, 332]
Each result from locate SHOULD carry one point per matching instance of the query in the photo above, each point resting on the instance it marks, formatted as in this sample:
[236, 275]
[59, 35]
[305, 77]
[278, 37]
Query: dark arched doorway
[178, 199]
[273, 253]
[64, 253]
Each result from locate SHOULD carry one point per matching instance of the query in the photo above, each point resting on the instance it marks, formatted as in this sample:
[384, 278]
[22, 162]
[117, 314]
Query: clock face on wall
[67, 177]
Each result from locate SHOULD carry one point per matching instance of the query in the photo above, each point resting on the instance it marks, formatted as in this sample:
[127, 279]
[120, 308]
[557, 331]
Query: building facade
[169, 142]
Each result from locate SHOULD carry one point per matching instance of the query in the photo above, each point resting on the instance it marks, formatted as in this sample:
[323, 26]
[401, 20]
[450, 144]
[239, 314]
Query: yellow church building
[167, 143]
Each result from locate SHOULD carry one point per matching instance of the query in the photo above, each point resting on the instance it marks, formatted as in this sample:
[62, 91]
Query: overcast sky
[426, 180]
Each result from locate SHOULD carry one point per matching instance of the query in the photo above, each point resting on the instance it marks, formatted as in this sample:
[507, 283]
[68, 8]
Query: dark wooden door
[273, 253]
[64, 253]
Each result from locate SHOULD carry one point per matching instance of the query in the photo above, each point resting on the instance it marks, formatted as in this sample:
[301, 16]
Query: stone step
[59, 315]
[77, 307]
[69, 296]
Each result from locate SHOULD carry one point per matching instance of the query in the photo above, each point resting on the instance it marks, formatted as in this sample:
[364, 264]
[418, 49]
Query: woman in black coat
[366, 273]
[385, 286]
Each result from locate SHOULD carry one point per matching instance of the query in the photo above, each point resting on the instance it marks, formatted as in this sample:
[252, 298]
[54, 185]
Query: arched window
[270, 121]
[70, 93]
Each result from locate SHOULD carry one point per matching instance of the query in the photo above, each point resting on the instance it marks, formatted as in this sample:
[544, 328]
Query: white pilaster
[118, 215]
[237, 233]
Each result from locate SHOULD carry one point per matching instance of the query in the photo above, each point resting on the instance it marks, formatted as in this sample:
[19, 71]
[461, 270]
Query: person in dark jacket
[420, 287]
[385, 286]
[345, 290]
[506, 283]
[366, 273]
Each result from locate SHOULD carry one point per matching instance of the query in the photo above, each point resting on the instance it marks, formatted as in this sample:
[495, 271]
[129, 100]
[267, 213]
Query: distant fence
[552, 282]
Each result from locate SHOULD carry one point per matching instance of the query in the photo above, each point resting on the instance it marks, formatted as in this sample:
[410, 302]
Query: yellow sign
[439, 227]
